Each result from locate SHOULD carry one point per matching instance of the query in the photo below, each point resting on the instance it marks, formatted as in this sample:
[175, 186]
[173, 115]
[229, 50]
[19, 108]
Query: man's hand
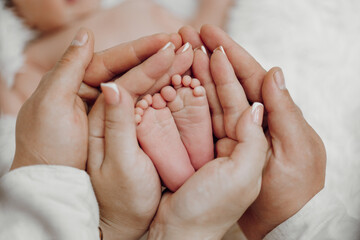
[296, 156]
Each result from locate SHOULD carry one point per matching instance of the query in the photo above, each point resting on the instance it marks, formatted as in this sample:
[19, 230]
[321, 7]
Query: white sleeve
[48, 202]
[324, 217]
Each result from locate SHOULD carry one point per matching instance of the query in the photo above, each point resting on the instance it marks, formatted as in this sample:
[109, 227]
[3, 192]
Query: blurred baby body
[58, 20]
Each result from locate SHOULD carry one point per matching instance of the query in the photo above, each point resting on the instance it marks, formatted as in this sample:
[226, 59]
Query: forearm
[253, 229]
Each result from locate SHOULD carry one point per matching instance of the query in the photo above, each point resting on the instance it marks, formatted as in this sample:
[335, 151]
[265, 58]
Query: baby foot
[160, 140]
[190, 109]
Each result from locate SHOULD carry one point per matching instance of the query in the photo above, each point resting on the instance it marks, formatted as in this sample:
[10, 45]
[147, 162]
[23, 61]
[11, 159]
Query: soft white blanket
[317, 43]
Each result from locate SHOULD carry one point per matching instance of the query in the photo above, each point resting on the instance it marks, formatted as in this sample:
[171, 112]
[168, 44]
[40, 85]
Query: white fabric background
[316, 42]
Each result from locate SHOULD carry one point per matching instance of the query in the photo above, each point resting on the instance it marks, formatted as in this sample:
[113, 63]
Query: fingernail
[185, 47]
[81, 38]
[112, 98]
[257, 112]
[168, 45]
[202, 48]
[279, 79]
[220, 48]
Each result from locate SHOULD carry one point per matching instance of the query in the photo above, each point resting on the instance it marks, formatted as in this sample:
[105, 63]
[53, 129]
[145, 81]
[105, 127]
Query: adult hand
[296, 158]
[214, 198]
[52, 126]
[124, 178]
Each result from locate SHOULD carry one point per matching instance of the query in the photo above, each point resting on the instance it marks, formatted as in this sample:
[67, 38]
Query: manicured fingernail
[111, 93]
[81, 38]
[185, 47]
[279, 79]
[202, 48]
[257, 113]
[220, 48]
[168, 45]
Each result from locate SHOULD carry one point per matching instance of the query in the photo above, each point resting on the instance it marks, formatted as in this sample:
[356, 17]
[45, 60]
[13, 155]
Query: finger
[120, 130]
[96, 135]
[189, 34]
[249, 72]
[231, 94]
[201, 70]
[182, 62]
[284, 118]
[87, 92]
[224, 147]
[117, 60]
[68, 73]
[250, 152]
[140, 79]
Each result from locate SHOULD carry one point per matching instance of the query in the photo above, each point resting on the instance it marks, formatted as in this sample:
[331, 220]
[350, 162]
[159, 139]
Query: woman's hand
[52, 126]
[215, 197]
[296, 155]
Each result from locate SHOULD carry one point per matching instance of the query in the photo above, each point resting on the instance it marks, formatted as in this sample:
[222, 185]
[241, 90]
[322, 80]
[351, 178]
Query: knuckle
[112, 124]
[65, 60]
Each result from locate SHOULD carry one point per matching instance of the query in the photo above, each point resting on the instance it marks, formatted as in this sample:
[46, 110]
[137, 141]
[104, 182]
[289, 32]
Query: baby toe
[148, 98]
[168, 93]
[158, 101]
[195, 83]
[142, 104]
[138, 119]
[176, 80]
[139, 111]
[186, 81]
[199, 91]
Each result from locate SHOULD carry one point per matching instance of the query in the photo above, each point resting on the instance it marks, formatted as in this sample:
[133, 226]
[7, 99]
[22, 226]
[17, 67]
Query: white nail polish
[111, 85]
[81, 38]
[255, 112]
[168, 45]
[203, 49]
[186, 47]
[280, 79]
[222, 50]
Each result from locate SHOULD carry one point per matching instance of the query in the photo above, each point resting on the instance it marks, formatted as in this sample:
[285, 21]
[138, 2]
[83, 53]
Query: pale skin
[47, 98]
[211, 201]
[60, 20]
[238, 177]
[296, 155]
[60, 88]
[125, 206]
[175, 130]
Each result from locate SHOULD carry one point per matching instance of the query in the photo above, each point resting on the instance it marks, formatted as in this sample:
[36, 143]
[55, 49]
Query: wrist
[111, 231]
[167, 229]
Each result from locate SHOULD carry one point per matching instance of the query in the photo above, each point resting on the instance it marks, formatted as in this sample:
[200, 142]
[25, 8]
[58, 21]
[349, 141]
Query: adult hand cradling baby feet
[155, 124]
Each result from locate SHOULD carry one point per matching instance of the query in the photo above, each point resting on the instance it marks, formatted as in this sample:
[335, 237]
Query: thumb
[120, 128]
[68, 73]
[284, 117]
[252, 144]
[249, 154]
